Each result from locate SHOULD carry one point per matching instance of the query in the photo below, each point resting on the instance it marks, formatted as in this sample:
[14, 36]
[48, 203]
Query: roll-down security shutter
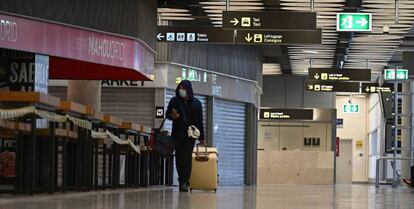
[230, 139]
[130, 104]
[59, 91]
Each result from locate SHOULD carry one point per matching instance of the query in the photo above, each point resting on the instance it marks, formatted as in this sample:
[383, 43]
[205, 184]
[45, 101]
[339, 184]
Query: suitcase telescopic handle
[201, 158]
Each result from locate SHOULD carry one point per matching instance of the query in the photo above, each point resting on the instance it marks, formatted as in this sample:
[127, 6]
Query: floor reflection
[262, 197]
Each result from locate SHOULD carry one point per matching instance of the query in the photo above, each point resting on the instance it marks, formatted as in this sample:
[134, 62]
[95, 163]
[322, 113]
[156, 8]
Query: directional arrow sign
[330, 74]
[160, 37]
[354, 22]
[269, 20]
[372, 88]
[194, 34]
[248, 37]
[279, 37]
[325, 86]
[235, 21]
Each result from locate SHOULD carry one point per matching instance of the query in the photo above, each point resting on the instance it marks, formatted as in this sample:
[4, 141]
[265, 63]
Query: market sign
[351, 108]
[283, 114]
[389, 74]
[329, 74]
[269, 20]
[259, 37]
[329, 86]
[354, 22]
[194, 34]
[375, 88]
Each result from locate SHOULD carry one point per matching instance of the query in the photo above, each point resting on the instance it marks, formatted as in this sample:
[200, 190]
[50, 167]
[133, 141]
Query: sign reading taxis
[279, 37]
[329, 86]
[244, 20]
[328, 74]
[283, 114]
[370, 88]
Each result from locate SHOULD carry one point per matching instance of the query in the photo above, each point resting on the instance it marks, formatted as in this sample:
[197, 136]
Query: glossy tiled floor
[262, 197]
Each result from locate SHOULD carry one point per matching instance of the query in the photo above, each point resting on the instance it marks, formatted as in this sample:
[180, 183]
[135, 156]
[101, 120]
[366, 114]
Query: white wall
[355, 127]
[276, 135]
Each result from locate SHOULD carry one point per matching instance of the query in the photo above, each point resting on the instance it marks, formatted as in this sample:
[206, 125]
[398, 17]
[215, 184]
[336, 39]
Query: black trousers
[183, 156]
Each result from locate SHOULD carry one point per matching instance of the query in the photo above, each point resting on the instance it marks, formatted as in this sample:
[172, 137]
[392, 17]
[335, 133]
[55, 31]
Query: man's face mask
[182, 92]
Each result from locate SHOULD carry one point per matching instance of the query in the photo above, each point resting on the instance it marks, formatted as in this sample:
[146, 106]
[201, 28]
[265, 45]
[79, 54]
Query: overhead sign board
[269, 20]
[389, 74]
[370, 88]
[259, 37]
[329, 86]
[354, 22]
[194, 34]
[283, 114]
[351, 108]
[329, 74]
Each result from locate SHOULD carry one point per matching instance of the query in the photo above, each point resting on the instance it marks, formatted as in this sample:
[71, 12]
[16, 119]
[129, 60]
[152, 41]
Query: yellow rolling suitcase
[204, 171]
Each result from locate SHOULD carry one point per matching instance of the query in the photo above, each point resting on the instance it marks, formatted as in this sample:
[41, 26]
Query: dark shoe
[184, 187]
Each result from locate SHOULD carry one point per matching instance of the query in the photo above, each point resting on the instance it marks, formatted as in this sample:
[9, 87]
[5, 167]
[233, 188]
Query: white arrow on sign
[248, 37]
[160, 36]
[316, 76]
[362, 22]
[310, 87]
[367, 89]
[235, 21]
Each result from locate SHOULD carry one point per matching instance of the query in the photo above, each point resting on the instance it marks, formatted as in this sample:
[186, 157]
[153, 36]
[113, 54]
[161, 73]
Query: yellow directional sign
[248, 38]
[235, 21]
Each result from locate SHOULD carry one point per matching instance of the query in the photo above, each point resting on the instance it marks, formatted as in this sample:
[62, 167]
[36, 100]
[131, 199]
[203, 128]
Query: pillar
[85, 92]
[406, 133]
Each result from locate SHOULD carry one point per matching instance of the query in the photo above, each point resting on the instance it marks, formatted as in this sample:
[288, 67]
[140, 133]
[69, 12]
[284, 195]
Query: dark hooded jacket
[191, 112]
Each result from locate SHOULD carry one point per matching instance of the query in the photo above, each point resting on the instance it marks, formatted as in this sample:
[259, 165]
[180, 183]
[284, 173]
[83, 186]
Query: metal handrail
[386, 158]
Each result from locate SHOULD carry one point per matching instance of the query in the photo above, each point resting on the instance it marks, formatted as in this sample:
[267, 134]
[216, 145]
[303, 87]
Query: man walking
[185, 110]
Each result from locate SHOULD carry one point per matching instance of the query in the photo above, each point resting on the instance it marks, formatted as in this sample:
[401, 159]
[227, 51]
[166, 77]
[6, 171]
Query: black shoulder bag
[163, 143]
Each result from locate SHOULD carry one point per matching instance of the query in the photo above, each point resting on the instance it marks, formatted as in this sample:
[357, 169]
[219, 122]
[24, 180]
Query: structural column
[406, 133]
[85, 92]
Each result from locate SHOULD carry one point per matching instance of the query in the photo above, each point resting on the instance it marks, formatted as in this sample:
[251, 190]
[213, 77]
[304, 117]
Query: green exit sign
[354, 22]
[351, 108]
[389, 74]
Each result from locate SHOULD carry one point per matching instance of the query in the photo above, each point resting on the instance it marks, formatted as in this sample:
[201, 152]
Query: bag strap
[183, 111]
[162, 124]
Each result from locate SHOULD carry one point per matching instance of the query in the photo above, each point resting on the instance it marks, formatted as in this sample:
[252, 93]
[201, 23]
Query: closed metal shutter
[130, 104]
[203, 99]
[230, 139]
[59, 91]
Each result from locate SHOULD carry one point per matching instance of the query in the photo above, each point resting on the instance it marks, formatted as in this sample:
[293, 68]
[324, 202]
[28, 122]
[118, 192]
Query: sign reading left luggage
[328, 86]
[284, 114]
[194, 34]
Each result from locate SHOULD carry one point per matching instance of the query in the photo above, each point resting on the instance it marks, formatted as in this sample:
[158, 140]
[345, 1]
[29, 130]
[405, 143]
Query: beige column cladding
[406, 133]
[85, 92]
